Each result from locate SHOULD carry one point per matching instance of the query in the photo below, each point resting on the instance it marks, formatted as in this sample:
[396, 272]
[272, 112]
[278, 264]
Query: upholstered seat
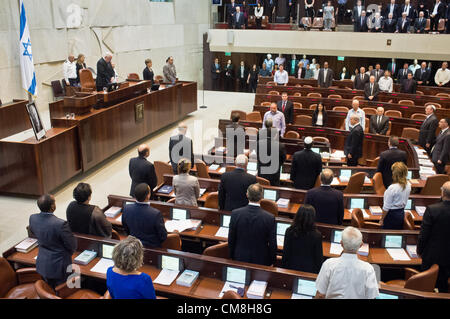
[355, 184]
[415, 280]
[17, 284]
[269, 206]
[44, 291]
[219, 250]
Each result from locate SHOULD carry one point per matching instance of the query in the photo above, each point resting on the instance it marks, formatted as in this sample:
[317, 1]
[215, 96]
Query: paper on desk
[367, 180]
[222, 232]
[166, 277]
[103, 265]
[398, 254]
[296, 296]
[233, 286]
[344, 179]
[363, 211]
[285, 176]
[336, 249]
[280, 241]
[420, 210]
[222, 170]
[335, 181]
[338, 154]
[180, 225]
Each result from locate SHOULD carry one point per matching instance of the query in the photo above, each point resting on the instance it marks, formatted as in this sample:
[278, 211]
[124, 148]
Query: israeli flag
[26, 55]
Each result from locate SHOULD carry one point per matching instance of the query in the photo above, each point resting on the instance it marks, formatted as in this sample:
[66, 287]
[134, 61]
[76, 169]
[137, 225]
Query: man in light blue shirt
[277, 118]
[355, 111]
[269, 63]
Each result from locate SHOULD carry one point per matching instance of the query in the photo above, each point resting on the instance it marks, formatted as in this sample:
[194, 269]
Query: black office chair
[57, 88]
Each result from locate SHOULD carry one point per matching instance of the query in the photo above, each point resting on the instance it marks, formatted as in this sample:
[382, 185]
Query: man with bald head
[427, 134]
[105, 72]
[356, 110]
[70, 71]
[180, 146]
[328, 202]
[379, 124]
[354, 141]
[141, 170]
[434, 238]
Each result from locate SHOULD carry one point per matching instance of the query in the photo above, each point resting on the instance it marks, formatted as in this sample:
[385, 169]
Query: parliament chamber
[203, 95]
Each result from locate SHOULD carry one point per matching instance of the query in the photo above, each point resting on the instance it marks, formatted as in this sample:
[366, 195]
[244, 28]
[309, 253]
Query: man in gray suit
[326, 76]
[441, 150]
[169, 71]
[56, 242]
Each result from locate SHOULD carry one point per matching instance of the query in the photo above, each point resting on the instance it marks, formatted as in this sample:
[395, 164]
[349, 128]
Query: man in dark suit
[233, 186]
[328, 202]
[394, 9]
[180, 146]
[271, 154]
[142, 221]
[354, 141]
[441, 150]
[287, 108]
[427, 134]
[270, 8]
[356, 16]
[371, 90]
[422, 75]
[409, 85]
[379, 124]
[141, 170]
[434, 238]
[326, 76]
[56, 242]
[409, 10]
[242, 75]
[388, 158]
[403, 73]
[306, 166]
[231, 11]
[420, 23]
[239, 20]
[105, 72]
[252, 233]
[403, 24]
[215, 74]
[389, 24]
[378, 72]
[229, 77]
[359, 83]
[361, 23]
[235, 135]
[437, 12]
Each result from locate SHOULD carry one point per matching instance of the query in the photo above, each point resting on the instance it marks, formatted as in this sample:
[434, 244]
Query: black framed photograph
[36, 121]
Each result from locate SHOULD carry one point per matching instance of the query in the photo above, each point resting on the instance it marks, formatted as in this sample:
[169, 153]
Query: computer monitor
[304, 287]
[225, 221]
[179, 214]
[315, 150]
[238, 275]
[346, 173]
[357, 203]
[336, 236]
[107, 251]
[281, 228]
[170, 263]
[386, 296]
[252, 166]
[393, 241]
[409, 204]
[409, 176]
[270, 194]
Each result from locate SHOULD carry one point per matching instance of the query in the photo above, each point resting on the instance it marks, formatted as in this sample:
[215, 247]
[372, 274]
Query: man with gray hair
[169, 71]
[233, 185]
[354, 141]
[252, 235]
[328, 202]
[180, 146]
[347, 277]
[105, 72]
[427, 134]
[434, 238]
[379, 124]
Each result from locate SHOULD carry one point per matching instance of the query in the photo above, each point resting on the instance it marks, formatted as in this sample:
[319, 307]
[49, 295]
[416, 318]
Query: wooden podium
[31, 167]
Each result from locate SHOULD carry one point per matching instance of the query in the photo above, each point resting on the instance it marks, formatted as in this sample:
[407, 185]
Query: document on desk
[233, 286]
[285, 176]
[398, 254]
[181, 225]
[280, 241]
[103, 265]
[336, 249]
[166, 277]
[363, 211]
[335, 181]
[420, 210]
[297, 296]
[222, 232]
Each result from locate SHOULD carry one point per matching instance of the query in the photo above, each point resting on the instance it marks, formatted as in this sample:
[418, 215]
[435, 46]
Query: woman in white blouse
[396, 198]
[259, 11]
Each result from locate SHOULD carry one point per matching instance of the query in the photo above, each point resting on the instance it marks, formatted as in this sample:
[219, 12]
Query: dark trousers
[292, 12]
[443, 276]
[242, 85]
[341, 12]
[229, 83]
[74, 82]
[258, 23]
[394, 219]
[352, 161]
[269, 13]
[215, 84]
[54, 282]
[440, 168]
[252, 86]
[434, 23]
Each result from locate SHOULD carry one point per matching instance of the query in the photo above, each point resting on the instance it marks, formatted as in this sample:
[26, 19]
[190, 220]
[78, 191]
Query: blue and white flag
[26, 55]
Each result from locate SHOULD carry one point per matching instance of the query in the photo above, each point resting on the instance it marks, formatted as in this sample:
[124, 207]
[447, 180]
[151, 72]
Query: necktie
[379, 120]
[371, 89]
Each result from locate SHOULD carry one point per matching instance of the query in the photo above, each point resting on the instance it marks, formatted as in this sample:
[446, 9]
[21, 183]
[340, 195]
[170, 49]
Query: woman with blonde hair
[124, 281]
[185, 186]
[81, 65]
[396, 198]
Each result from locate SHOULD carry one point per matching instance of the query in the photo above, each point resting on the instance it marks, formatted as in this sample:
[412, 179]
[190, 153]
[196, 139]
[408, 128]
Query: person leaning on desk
[124, 281]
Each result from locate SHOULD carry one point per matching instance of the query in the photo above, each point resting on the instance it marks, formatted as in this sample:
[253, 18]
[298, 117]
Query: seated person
[142, 221]
[84, 218]
[124, 281]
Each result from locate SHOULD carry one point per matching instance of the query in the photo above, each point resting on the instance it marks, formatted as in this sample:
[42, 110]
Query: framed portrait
[36, 121]
[139, 112]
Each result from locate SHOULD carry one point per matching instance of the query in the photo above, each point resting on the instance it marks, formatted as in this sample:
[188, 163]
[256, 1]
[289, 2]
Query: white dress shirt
[319, 119]
[281, 77]
[316, 74]
[442, 76]
[362, 118]
[259, 13]
[347, 277]
[69, 70]
[435, 9]
[396, 197]
[386, 84]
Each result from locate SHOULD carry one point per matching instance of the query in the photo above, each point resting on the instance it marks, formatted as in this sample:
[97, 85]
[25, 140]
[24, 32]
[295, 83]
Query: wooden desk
[14, 118]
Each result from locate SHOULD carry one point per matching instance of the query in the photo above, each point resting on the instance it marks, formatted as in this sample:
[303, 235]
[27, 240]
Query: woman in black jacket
[319, 117]
[148, 72]
[302, 248]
